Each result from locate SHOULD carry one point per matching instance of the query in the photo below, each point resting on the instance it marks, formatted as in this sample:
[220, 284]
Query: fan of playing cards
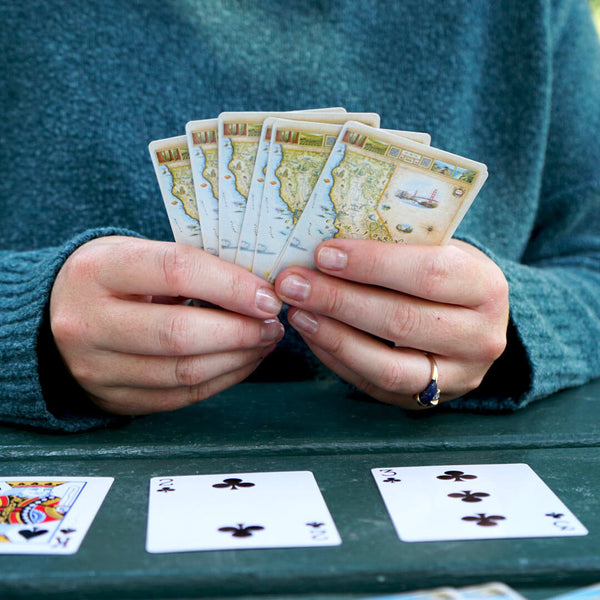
[263, 190]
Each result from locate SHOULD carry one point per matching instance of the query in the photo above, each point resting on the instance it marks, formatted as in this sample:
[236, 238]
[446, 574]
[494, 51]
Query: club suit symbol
[241, 530]
[233, 483]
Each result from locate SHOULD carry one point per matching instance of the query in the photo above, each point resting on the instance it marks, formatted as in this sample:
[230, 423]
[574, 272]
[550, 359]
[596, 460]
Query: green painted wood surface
[316, 427]
[308, 418]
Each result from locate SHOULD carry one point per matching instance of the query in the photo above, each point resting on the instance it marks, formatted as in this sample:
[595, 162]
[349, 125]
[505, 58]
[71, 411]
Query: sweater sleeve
[35, 389]
[554, 331]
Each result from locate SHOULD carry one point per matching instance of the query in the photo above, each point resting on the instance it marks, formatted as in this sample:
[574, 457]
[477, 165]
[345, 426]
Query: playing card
[441, 593]
[247, 240]
[238, 138]
[49, 515]
[381, 186]
[249, 243]
[202, 142]
[171, 161]
[467, 502]
[415, 136]
[298, 151]
[485, 591]
[237, 511]
[591, 592]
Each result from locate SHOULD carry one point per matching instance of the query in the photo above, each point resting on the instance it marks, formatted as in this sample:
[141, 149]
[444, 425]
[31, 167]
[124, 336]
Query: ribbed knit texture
[86, 85]
[25, 284]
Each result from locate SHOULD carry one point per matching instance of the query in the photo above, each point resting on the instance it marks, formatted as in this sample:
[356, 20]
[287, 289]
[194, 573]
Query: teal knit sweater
[86, 85]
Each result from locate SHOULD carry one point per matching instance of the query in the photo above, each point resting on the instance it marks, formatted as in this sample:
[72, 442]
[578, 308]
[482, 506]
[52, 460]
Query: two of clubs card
[262, 190]
[236, 511]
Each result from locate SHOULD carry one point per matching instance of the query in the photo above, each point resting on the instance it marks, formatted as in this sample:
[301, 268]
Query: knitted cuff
[26, 349]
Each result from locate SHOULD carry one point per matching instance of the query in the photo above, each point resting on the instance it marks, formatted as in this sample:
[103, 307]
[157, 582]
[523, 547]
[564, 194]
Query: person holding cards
[94, 318]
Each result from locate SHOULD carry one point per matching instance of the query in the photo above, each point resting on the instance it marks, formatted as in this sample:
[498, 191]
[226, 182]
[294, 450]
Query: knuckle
[372, 267]
[196, 393]
[174, 334]
[333, 302]
[494, 290]
[85, 372]
[334, 344]
[391, 376]
[188, 372]
[238, 282]
[84, 263]
[472, 383]
[176, 266]
[65, 327]
[240, 334]
[493, 347]
[403, 320]
[434, 272]
[498, 293]
[499, 285]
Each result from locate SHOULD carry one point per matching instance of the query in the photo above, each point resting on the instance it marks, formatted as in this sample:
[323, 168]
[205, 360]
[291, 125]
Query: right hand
[119, 322]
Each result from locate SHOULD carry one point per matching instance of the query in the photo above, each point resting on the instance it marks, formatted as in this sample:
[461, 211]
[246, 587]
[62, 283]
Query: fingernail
[295, 287]
[272, 330]
[304, 321]
[332, 258]
[267, 301]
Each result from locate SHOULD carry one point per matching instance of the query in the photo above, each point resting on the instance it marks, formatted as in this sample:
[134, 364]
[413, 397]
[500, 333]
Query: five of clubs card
[465, 502]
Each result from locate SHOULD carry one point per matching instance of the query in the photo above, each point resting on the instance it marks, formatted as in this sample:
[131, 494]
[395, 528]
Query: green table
[321, 428]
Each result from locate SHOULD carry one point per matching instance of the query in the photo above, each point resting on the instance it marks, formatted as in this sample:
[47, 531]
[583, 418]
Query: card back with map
[171, 161]
[381, 186]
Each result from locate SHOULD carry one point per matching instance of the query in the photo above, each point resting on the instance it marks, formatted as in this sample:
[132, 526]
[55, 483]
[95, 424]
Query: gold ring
[430, 396]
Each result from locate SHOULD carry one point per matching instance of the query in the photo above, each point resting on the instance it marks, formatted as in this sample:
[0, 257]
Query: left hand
[449, 301]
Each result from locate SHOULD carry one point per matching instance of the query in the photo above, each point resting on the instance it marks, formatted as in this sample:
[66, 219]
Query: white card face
[48, 515]
[235, 511]
[171, 161]
[467, 502]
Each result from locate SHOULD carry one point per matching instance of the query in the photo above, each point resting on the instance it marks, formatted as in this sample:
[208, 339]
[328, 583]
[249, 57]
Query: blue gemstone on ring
[430, 395]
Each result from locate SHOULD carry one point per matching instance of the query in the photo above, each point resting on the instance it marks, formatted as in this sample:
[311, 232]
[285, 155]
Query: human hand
[448, 301]
[119, 322]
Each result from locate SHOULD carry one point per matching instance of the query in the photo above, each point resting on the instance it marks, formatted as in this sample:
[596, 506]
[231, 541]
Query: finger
[139, 268]
[110, 370]
[171, 330]
[357, 380]
[436, 273]
[390, 374]
[137, 401]
[403, 319]
[157, 329]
